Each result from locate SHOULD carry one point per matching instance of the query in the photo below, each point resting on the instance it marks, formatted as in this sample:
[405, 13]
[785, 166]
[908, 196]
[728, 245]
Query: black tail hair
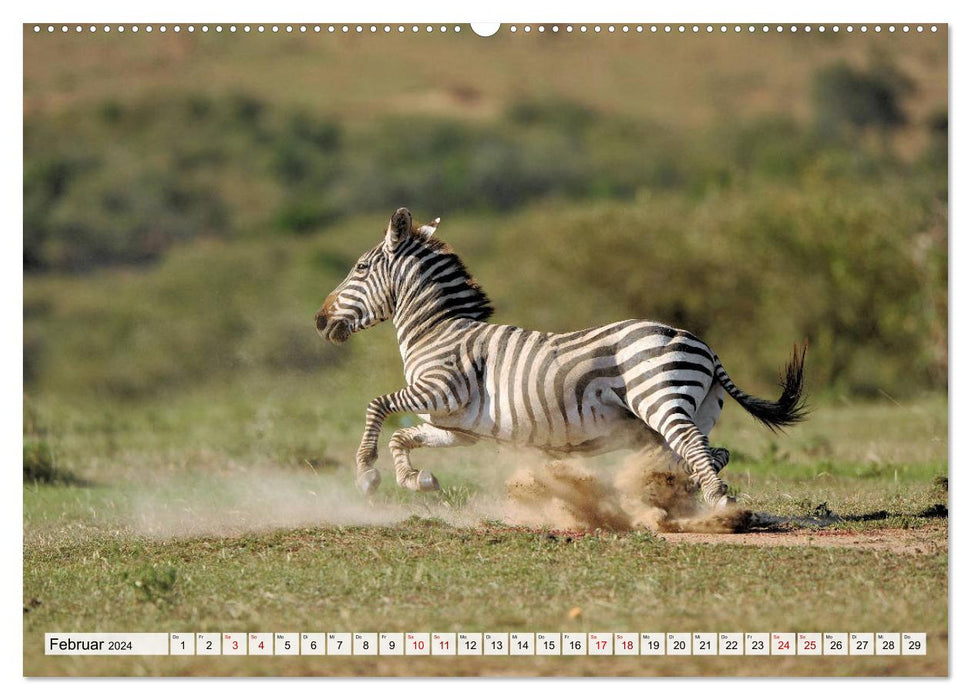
[791, 407]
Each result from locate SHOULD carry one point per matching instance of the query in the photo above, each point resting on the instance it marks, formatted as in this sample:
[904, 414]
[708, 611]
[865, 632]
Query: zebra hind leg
[404, 440]
[692, 446]
[720, 456]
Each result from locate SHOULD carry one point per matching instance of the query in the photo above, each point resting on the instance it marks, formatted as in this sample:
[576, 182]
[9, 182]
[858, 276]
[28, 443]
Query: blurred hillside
[189, 200]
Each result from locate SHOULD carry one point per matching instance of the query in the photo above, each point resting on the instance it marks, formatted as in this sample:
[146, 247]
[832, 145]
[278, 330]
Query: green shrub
[40, 464]
[752, 233]
[123, 184]
[552, 113]
[859, 270]
[303, 216]
[846, 97]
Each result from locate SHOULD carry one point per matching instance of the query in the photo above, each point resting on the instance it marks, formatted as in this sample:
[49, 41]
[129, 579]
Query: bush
[753, 234]
[38, 462]
[40, 465]
[845, 97]
[554, 114]
[303, 217]
[123, 184]
[859, 270]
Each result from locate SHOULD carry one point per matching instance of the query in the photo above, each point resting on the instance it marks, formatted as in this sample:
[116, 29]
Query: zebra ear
[398, 228]
[428, 230]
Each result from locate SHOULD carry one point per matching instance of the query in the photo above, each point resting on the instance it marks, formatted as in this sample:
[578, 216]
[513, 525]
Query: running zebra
[624, 385]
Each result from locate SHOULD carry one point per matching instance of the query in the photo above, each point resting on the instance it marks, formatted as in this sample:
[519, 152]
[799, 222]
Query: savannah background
[189, 440]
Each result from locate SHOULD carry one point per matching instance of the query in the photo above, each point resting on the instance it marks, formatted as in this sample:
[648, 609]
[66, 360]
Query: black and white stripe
[623, 385]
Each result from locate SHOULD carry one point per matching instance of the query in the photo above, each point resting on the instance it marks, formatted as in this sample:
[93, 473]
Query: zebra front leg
[368, 478]
[403, 441]
[410, 399]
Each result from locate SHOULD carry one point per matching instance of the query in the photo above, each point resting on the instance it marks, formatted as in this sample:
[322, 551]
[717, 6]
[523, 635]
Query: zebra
[629, 384]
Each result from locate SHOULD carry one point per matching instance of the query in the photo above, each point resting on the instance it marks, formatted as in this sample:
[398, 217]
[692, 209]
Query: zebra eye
[361, 266]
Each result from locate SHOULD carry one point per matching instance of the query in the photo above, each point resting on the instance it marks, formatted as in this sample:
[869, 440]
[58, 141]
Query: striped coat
[628, 384]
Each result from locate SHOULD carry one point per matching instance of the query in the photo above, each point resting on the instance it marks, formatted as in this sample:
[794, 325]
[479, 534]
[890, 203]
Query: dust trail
[253, 499]
[651, 491]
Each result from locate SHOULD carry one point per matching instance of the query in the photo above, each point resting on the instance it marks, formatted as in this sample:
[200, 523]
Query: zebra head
[366, 296]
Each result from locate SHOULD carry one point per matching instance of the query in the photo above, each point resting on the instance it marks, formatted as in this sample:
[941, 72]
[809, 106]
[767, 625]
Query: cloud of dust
[650, 491]
[252, 499]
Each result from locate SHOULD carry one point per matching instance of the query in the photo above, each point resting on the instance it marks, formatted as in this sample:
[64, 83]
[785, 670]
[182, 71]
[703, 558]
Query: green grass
[422, 575]
[209, 518]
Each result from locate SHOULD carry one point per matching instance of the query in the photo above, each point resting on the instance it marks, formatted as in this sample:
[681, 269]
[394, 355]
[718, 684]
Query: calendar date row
[489, 644]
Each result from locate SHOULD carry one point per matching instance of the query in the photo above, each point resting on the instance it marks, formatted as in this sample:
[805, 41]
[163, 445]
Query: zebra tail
[791, 406]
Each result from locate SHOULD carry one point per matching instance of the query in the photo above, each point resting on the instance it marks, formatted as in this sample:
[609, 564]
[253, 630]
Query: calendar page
[518, 349]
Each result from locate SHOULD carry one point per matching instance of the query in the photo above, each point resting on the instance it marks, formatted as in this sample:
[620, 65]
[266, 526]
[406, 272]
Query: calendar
[216, 212]
[452, 644]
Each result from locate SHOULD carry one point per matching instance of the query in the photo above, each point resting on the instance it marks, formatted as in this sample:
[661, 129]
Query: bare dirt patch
[925, 540]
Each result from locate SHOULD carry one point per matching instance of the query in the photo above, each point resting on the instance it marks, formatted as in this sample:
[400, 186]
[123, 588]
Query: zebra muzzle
[339, 332]
[335, 331]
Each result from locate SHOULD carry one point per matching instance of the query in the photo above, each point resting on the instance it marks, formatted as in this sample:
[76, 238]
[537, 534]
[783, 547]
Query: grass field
[244, 536]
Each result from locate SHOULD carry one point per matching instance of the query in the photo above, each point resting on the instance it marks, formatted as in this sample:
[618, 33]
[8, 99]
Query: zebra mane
[477, 306]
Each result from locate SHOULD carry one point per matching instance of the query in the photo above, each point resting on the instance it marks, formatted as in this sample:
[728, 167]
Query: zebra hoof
[724, 502]
[369, 481]
[427, 481]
